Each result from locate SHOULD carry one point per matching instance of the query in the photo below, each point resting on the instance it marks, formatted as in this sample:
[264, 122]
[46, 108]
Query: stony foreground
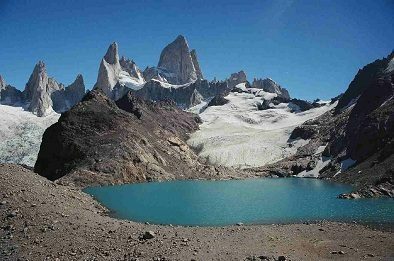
[41, 220]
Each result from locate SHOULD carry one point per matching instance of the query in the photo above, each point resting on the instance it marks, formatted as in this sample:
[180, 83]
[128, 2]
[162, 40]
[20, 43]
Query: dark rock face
[303, 105]
[303, 132]
[97, 142]
[363, 79]
[371, 122]
[218, 100]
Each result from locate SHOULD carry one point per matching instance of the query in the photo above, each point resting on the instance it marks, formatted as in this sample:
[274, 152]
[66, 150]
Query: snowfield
[131, 82]
[238, 135]
[21, 133]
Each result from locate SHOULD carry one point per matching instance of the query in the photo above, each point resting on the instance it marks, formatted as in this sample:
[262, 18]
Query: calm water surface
[252, 201]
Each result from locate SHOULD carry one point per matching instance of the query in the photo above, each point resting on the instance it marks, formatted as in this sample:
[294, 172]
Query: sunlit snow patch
[237, 134]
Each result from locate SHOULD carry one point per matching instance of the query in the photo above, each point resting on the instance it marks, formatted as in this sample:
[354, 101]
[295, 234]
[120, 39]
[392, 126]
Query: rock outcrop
[179, 62]
[236, 78]
[9, 95]
[218, 100]
[99, 141]
[269, 85]
[116, 76]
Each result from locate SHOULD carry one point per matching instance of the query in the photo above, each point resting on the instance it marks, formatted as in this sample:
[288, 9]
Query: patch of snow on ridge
[21, 133]
[314, 173]
[390, 66]
[237, 134]
[130, 82]
[241, 86]
[345, 165]
[321, 163]
[169, 85]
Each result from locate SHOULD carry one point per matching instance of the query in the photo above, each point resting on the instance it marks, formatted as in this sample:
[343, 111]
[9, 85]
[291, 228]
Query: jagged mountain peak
[269, 85]
[177, 60]
[116, 76]
[180, 38]
[236, 78]
[79, 78]
[112, 55]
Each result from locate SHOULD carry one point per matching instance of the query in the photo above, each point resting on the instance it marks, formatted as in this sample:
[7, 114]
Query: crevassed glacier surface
[238, 135]
[21, 133]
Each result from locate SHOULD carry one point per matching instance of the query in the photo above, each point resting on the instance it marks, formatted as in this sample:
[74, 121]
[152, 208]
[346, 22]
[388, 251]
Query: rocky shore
[43, 220]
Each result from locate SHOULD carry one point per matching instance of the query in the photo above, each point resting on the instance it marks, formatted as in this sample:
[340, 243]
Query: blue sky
[313, 48]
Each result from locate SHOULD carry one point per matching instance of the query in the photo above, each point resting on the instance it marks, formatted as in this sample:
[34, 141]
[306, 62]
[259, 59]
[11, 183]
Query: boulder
[218, 100]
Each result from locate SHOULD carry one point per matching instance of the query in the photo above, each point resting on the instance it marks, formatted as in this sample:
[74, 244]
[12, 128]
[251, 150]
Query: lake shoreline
[45, 220]
[223, 203]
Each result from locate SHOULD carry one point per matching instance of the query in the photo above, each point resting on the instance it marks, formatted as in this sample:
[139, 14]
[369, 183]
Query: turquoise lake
[251, 201]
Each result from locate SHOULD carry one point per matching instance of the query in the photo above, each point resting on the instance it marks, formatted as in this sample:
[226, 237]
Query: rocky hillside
[364, 78]
[101, 142]
[43, 94]
[354, 142]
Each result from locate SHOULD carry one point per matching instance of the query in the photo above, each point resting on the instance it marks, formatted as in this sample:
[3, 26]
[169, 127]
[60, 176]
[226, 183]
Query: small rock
[2, 203]
[148, 235]
[240, 224]
[9, 227]
[281, 258]
[12, 214]
[340, 252]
